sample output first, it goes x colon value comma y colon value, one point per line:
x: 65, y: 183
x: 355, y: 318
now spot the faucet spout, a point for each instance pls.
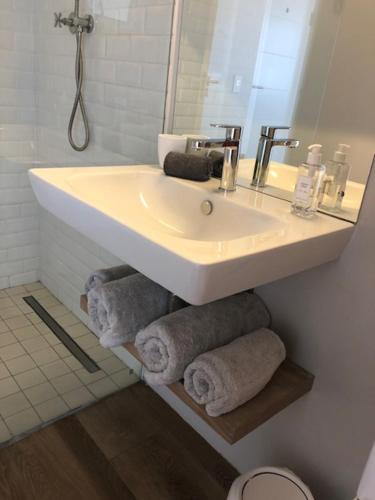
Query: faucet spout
x: 267, y: 142
x: 231, y: 145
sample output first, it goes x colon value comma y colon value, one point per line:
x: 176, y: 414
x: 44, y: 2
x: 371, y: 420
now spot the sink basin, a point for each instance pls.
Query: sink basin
x: 168, y: 205
x: 158, y: 225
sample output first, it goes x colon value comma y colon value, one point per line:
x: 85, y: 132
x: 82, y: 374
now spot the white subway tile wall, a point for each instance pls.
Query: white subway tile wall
x: 126, y: 61
x: 125, y: 79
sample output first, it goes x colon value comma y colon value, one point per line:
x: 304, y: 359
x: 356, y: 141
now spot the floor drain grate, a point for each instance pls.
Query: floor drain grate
x: 62, y: 335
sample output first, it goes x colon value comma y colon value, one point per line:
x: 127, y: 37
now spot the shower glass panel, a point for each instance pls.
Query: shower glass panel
x: 124, y: 87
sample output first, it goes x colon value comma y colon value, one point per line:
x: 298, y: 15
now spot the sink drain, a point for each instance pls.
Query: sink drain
x: 207, y: 207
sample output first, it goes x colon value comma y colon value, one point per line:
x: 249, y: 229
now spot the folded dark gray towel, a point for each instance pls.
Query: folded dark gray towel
x: 119, y: 309
x: 105, y: 275
x: 169, y: 344
x: 217, y: 163
x: 229, y: 376
x: 188, y: 166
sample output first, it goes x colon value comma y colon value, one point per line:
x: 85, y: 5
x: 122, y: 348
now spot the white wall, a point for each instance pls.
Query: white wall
x: 326, y: 316
x: 18, y: 218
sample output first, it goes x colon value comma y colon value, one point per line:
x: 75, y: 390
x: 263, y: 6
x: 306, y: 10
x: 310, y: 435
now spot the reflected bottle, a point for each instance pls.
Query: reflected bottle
x: 335, y: 180
x: 309, y: 184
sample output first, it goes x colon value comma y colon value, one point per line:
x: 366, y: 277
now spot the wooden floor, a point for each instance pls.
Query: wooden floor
x: 129, y: 446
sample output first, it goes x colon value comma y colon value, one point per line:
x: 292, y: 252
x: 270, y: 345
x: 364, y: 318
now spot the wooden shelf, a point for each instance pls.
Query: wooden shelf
x: 289, y: 383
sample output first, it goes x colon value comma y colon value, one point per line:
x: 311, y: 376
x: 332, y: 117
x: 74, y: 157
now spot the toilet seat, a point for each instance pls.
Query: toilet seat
x: 269, y: 483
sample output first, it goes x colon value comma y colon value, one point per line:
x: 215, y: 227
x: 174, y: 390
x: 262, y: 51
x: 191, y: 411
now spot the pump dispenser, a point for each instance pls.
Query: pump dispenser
x: 309, y: 183
x: 335, y: 180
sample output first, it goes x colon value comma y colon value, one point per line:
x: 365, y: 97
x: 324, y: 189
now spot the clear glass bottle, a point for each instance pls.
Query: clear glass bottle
x: 335, y: 180
x: 309, y: 184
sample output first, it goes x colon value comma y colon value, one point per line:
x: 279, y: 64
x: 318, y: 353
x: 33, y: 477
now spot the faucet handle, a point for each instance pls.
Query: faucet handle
x: 270, y: 131
x: 58, y: 20
x: 233, y: 132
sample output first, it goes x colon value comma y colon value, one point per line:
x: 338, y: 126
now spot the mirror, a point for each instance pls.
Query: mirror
x: 305, y: 64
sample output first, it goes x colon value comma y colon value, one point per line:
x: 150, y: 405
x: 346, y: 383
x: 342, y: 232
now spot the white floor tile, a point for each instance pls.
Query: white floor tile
x: 8, y: 386
x: 3, y: 326
x: 66, y: 383
x: 7, y: 339
x: 30, y: 378
x: 10, y: 312
x: 40, y: 393
x: 24, y: 421
x: 102, y: 387
x: 45, y: 356
x: 88, y: 378
x: 55, y: 369
x: 20, y: 365
x: 73, y: 363
x: 111, y: 365
x: 11, y: 351
x: 51, y: 409
x: 78, y: 397
x: 5, y: 303
x: 76, y: 331
x: 16, y: 290
x: 27, y: 332
x: 13, y: 404
x: 34, y: 345
x: 17, y: 322
x: 62, y: 351
x: 87, y: 341
x: 98, y: 353
x: 33, y: 287
x: 4, y: 372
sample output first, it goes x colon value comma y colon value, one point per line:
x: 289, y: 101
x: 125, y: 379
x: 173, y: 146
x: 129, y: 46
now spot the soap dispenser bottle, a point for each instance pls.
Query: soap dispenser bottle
x: 309, y: 184
x: 336, y: 177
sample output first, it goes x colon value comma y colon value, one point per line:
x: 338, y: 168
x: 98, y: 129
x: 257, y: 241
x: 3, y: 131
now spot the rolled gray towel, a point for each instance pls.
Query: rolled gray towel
x: 105, y: 275
x: 168, y: 345
x: 188, y: 166
x: 119, y: 309
x: 229, y: 376
x: 217, y: 163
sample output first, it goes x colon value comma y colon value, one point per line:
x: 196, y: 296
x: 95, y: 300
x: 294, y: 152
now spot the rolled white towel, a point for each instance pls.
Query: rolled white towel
x: 102, y: 276
x: 169, y: 344
x: 229, y: 376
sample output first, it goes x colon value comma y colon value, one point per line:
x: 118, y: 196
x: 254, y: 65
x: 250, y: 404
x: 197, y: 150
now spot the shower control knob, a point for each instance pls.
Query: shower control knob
x: 58, y: 20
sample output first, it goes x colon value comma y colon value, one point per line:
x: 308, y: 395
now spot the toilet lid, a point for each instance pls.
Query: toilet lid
x: 272, y: 486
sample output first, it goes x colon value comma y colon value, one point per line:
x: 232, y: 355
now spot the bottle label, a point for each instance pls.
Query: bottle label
x: 303, y: 188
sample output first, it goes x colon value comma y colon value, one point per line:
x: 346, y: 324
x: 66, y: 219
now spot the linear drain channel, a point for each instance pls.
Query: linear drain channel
x: 62, y: 335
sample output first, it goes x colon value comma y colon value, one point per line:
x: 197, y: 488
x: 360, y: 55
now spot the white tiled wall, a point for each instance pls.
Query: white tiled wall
x: 19, y: 234
x: 125, y: 78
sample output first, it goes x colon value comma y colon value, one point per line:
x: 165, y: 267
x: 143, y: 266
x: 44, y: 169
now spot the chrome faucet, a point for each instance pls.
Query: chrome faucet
x: 231, y: 145
x: 267, y: 142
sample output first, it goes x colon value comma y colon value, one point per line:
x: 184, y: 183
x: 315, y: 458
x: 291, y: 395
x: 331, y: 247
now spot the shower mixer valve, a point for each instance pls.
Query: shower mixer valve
x: 79, y: 26
x: 74, y: 22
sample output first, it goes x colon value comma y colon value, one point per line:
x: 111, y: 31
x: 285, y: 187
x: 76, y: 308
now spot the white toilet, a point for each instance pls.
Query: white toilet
x: 269, y: 483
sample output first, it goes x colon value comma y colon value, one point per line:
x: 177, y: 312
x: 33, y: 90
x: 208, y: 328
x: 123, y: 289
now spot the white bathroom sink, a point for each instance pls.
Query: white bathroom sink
x: 156, y: 224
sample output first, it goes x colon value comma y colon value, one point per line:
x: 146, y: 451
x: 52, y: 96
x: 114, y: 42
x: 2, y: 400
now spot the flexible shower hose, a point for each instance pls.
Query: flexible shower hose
x: 78, y: 101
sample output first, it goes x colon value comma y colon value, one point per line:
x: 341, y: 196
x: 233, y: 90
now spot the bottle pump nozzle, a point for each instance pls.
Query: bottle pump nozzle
x: 341, y: 153
x: 315, y: 154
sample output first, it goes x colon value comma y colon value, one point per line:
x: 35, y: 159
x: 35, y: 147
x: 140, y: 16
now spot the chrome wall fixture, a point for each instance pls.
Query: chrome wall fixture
x: 77, y: 26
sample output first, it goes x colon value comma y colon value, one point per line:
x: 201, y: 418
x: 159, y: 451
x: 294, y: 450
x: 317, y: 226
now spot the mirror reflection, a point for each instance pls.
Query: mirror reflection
x: 292, y: 73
